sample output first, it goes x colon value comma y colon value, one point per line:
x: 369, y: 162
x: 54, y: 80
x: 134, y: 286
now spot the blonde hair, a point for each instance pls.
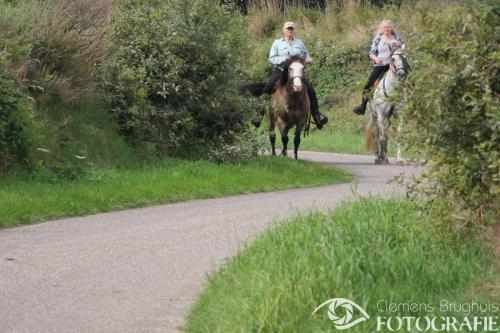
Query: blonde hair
x: 380, y: 29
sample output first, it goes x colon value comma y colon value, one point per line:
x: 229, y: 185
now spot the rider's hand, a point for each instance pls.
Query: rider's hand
x: 398, y: 43
x: 378, y: 60
x: 309, y: 61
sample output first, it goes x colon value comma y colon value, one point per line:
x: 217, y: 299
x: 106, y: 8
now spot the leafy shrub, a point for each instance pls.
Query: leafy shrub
x: 455, y: 112
x: 14, y: 121
x: 173, y: 70
x: 339, y: 68
x: 235, y: 148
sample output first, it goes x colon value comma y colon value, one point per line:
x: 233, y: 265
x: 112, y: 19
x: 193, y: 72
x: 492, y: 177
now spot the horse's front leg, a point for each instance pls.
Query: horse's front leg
x: 284, y: 139
x: 383, y: 125
x: 284, y: 135
x: 296, y: 140
x: 373, y: 137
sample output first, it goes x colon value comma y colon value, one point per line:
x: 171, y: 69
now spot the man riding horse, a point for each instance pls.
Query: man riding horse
x: 281, y: 50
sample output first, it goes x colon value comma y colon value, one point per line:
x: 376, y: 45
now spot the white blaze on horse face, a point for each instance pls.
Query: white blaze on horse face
x: 297, y: 84
x: 296, y: 73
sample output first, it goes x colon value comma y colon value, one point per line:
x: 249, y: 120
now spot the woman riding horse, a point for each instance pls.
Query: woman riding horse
x: 384, y: 106
x: 385, y: 40
x: 281, y: 50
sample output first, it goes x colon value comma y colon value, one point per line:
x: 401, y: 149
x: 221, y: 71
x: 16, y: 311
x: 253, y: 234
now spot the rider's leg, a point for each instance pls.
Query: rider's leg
x: 268, y: 89
x: 377, y: 73
x: 271, y: 84
x: 319, y: 119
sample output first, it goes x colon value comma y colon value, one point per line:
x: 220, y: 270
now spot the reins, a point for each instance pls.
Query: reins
x: 406, y: 67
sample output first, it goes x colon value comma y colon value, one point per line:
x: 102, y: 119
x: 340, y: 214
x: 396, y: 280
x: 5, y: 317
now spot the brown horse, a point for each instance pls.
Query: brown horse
x: 290, y: 102
x: 290, y: 105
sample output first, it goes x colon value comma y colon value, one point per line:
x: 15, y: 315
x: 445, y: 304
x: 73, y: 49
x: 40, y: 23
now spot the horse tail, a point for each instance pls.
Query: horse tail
x: 369, y: 137
x: 254, y: 89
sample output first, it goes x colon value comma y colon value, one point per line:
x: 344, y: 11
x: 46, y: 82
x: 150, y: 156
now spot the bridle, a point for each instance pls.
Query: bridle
x: 405, y: 66
x: 404, y: 62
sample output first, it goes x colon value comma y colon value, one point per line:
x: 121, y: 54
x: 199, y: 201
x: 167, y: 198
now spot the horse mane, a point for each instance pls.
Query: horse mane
x: 284, y: 76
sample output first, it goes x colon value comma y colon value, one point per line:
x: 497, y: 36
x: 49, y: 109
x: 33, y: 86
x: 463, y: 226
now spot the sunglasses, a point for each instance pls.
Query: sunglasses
x: 289, y: 28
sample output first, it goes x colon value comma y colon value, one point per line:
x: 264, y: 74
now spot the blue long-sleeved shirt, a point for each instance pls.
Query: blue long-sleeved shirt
x: 280, y: 50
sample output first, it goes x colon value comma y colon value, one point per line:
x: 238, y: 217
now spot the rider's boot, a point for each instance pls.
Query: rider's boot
x: 319, y: 119
x: 361, y: 108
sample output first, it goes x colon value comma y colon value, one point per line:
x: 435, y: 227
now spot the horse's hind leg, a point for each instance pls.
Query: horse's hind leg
x: 272, y: 135
x: 399, y: 156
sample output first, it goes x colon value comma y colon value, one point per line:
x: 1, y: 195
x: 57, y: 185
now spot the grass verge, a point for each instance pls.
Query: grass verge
x: 32, y: 200
x: 367, y: 251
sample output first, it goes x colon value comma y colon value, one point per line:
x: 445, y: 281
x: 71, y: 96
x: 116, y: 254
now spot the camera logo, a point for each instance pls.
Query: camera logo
x: 340, y: 312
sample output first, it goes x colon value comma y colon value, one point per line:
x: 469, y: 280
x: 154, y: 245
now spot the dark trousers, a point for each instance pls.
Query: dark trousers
x: 376, y: 74
x: 271, y: 86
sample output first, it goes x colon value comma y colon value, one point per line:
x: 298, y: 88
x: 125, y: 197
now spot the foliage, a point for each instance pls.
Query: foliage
x: 455, y: 112
x: 173, y: 72
x: 15, y: 122
x: 338, y: 67
x: 235, y: 148
x: 50, y: 49
x: 58, y: 42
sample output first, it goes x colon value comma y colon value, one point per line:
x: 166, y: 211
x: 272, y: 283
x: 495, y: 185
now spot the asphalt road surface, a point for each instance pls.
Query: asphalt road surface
x: 140, y: 270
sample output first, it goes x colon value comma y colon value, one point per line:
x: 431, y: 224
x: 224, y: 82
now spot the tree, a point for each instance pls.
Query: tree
x: 173, y: 72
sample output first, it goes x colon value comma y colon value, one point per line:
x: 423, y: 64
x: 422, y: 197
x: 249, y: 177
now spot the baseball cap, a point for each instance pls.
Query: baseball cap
x: 288, y: 25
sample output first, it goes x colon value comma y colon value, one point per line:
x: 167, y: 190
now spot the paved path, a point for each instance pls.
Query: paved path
x: 139, y: 270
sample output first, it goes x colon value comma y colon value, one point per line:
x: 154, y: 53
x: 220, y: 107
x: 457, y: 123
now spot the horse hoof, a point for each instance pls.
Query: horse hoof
x: 378, y: 161
x: 385, y: 161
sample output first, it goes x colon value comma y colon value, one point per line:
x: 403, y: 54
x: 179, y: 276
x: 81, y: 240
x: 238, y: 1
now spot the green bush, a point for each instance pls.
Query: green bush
x: 235, y: 148
x: 173, y: 70
x: 15, y: 124
x: 454, y: 110
x: 49, y: 50
x: 339, y: 68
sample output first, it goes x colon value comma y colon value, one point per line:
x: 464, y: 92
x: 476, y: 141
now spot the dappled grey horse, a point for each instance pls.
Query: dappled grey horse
x: 385, y: 104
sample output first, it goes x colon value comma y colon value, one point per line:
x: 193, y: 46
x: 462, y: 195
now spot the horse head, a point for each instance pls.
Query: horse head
x: 399, y: 64
x: 294, y: 72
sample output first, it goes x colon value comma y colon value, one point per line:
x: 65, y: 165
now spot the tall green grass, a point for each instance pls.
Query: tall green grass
x: 37, y: 199
x: 366, y: 251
